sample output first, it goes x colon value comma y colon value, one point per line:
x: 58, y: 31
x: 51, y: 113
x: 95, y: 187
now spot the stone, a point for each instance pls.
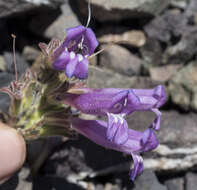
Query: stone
x: 184, y: 50
x: 2, y: 64
x: 66, y: 20
x: 30, y: 53
x: 24, y: 183
x: 191, y: 9
x: 151, y: 52
x: 104, y: 78
x: 179, y: 3
x: 19, y: 181
x: 163, y: 73
x: 175, y: 184
x: 134, y: 38
x: 11, y: 7
x: 147, y: 181
x: 182, y: 87
x: 163, y: 27
x: 117, y: 10
x: 176, y: 130
x: 190, y: 181
x: 120, y: 60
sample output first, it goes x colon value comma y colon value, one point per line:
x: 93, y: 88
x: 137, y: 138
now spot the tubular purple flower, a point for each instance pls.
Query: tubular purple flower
x: 137, y: 142
x: 72, y: 55
x: 116, y: 104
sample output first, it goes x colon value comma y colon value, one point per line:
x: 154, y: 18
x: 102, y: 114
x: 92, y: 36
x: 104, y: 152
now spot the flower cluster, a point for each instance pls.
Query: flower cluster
x: 115, y: 104
x: 74, y: 51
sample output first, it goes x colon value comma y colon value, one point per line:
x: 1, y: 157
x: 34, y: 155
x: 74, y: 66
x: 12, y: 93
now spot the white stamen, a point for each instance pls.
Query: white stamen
x: 80, y: 57
x: 72, y: 55
x: 66, y: 49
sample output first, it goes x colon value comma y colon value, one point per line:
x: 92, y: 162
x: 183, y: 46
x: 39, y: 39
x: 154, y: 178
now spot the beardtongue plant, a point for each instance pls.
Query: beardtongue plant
x: 41, y: 100
x: 116, y: 104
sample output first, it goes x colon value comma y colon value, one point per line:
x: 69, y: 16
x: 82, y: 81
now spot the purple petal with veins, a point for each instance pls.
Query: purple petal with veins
x: 138, y: 166
x: 117, y: 129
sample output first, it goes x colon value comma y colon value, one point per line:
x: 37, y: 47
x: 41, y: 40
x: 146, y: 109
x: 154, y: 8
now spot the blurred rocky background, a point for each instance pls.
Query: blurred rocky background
x: 145, y: 42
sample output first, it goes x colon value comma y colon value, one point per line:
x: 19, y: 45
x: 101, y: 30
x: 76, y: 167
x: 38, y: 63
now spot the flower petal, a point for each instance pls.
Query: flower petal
x: 70, y: 67
x: 60, y: 63
x: 131, y: 103
x: 73, y: 37
x: 81, y: 71
x: 148, y: 140
x: 138, y: 166
x: 117, y: 101
x: 117, y: 130
x: 112, y: 126
x: 122, y: 135
x: 156, y: 123
x: 159, y: 94
x: 90, y: 41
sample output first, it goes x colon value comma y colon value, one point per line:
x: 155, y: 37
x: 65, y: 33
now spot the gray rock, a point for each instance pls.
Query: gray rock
x: 162, y: 27
x: 179, y: 3
x: 116, y: 10
x: 190, y: 181
x: 164, y: 73
x: 148, y: 181
x: 30, y: 53
x: 182, y: 87
x: 175, y: 184
x: 151, y: 52
x: 120, y: 60
x: 2, y: 64
x: 104, y: 78
x: 191, y: 9
x: 184, y: 50
x: 11, y: 7
x: 66, y: 20
x: 18, y: 181
x: 176, y: 130
x: 23, y: 182
x: 134, y: 38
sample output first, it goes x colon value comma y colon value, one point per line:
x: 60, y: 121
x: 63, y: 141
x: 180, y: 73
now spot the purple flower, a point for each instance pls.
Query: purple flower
x: 137, y: 142
x: 116, y: 104
x: 72, y: 55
